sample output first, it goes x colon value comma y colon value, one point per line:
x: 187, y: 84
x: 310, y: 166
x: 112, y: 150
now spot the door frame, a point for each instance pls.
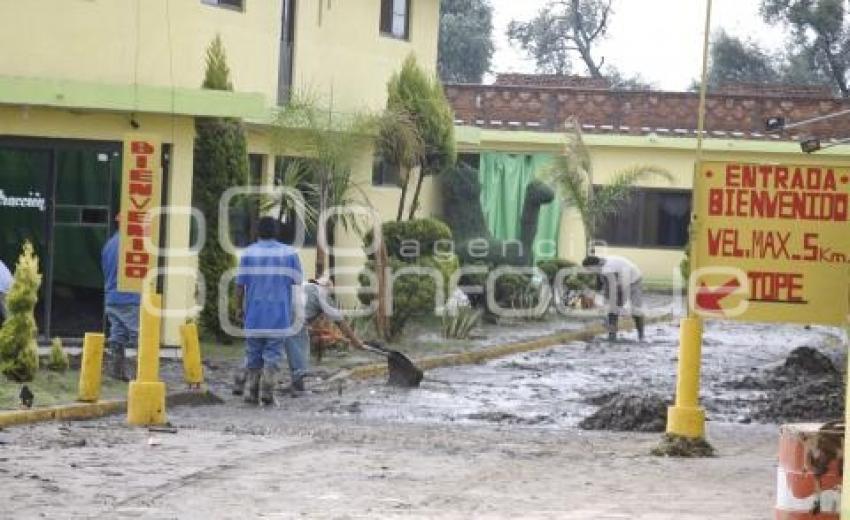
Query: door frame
x: 52, y: 145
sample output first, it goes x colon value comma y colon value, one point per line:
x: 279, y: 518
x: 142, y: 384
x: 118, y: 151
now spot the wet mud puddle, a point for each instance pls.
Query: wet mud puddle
x: 560, y: 386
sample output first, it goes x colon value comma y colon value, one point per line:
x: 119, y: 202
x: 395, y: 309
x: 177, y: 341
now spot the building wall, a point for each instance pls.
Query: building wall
x: 611, y: 153
x: 100, y: 41
x: 179, y: 131
x: 342, y: 59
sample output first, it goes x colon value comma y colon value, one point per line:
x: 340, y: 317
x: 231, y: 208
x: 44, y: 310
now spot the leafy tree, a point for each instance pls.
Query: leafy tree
x: 620, y: 81
x: 560, y: 30
x: 413, y: 92
x: 466, y: 44
x: 572, y: 173
x: 820, y: 37
x: 18, y: 347
x: 735, y: 61
x: 221, y: 162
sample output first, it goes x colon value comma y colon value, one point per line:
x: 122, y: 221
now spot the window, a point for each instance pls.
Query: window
x: 238, y: 5
x: 473, y: 160
x: 395, y: 18
x: 384, y: 174
x: 653, y: 218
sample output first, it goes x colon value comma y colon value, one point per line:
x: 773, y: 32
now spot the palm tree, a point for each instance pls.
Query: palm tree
x: 333, y: 143
x: 572, y: 174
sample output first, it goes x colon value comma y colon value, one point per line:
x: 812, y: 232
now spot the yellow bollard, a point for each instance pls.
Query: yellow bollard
x: 845, y: 489
x: 146, y: 395
x: 90, y: 368
x: 686, y: 418
x: 193, y: 371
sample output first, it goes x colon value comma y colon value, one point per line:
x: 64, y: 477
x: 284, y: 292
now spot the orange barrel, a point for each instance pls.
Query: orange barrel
x: 808, y: 479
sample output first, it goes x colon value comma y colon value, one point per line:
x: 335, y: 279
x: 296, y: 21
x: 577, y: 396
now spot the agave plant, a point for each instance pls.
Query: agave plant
x: 572, y: 174
x: 459, y: 324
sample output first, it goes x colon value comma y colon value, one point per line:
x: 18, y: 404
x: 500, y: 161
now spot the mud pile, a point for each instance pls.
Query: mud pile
x: 630, y: 413
x: 807, y: 387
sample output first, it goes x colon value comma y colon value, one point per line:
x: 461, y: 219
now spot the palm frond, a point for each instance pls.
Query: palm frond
x: 570, y: 181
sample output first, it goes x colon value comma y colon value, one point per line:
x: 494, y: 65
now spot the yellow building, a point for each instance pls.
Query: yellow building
x: 525, y: 114
x: 77, y: 75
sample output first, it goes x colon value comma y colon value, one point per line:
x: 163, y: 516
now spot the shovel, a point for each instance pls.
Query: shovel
x: 401, y: 369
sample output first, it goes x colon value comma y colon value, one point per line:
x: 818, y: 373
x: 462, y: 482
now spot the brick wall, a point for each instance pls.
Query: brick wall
x: 735, y: 115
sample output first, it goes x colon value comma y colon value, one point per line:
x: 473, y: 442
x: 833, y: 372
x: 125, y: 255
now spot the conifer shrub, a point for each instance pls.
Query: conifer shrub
x: 18, y: 347
x: 221, y: 162
x: 57, y: 361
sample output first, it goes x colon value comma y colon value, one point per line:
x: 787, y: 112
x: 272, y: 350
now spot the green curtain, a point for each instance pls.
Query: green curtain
x: 504, y: 179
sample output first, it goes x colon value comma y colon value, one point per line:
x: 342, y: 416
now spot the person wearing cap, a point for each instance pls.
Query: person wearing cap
x: 318, y: 302
x: 267, y: 272
x: 5, y: 285
x: 623, y: 283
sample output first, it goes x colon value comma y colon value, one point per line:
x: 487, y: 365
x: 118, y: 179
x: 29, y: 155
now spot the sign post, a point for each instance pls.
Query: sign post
x: 686, y: 418
x: 769, y: 244
x: 141, y: 189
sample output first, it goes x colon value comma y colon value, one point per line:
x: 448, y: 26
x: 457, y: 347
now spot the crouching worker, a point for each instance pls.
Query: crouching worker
x: 622, y: 283
x: 267, y: 272
x: 122, y: 312
x: 318, y: 302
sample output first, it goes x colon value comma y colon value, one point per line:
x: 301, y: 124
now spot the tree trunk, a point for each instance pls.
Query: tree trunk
x: 381, y: 319
x: 404, y: 185
x: 414, y: 202
x: 321, y: 231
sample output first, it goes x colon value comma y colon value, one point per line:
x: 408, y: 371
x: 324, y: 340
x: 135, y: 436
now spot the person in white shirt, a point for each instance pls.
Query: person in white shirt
x: 622, y: 282
x: 5, y: 285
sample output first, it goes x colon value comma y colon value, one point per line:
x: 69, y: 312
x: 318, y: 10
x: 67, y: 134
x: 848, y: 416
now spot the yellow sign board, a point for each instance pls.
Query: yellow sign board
x: 771, y: 242
x: 141, y: 188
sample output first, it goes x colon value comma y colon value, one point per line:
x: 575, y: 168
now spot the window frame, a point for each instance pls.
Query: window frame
x: 230, y: 7
x: 387, y: 30
x: 381, y: 176
x: 641, y: 216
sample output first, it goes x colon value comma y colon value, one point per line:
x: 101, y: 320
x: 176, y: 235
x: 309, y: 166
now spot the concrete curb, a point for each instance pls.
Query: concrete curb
x: 82, y: 411
x: 486, y: 354
x: 64, y: 412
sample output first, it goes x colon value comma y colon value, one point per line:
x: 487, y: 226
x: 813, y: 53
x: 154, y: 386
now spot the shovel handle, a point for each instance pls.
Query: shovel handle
x: 375, y: 349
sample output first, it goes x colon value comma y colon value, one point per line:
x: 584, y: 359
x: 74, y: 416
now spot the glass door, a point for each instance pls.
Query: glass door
x: 87, y: 189
x: 24, y: 210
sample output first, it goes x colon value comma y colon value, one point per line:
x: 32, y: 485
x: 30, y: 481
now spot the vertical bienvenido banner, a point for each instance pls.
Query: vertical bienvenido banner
x: 141, y: 187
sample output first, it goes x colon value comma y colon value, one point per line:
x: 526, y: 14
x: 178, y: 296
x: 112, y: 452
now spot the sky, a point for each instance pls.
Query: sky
x: 659, y: 39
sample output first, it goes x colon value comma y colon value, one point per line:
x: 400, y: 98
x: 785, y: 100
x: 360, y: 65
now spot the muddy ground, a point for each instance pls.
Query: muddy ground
x: 498, y: 440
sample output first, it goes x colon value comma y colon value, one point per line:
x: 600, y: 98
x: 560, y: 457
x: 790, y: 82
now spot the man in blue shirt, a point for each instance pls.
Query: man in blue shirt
x: 267, y: 272
x: 122, y: 311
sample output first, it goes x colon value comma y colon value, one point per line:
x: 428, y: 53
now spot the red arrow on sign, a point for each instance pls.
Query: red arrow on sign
x: 709, y: 300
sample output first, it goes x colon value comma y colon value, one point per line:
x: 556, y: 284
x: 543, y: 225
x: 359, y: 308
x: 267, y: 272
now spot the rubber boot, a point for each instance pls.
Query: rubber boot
x: 252, y: 385
x: 268, y: 384
x: 612, y: 327
x: 239, y: 381
x: 117, y: 361
x: 639, y: 325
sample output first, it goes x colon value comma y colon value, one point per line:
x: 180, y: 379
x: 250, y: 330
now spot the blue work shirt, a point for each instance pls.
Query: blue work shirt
x: 109, y: 264
x: 268, y: 295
